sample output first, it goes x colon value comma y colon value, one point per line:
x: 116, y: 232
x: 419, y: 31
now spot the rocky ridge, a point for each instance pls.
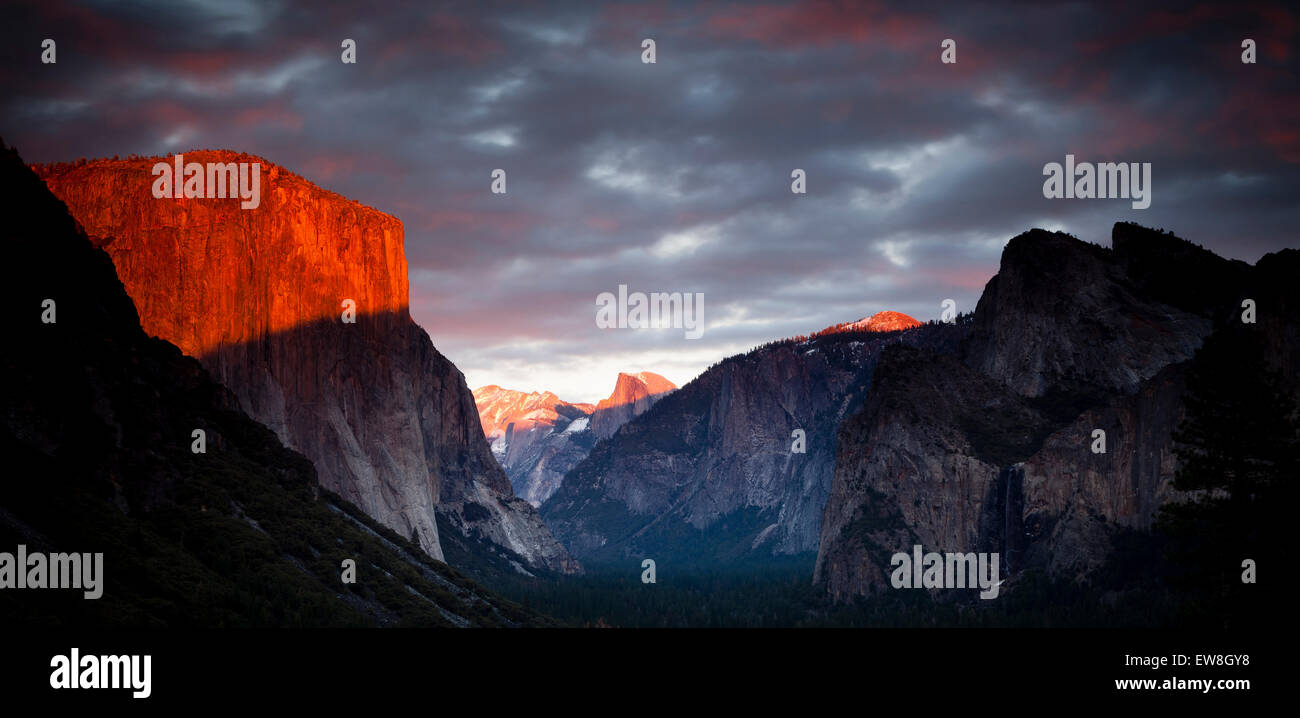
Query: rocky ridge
x: 988, y: 447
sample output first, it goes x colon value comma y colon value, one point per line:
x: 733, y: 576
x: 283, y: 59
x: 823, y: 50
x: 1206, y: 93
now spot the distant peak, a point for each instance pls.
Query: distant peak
x: 643, y: 383
x: 888, y: 321
x: 630, y: 388
x: 633, y: 394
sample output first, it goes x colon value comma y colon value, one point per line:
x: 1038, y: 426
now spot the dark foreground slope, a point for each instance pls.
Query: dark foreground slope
x: 96, y: 447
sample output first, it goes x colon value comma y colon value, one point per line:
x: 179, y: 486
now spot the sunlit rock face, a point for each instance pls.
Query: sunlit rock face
x: 888, y: 321
x: 633, y: 394
x: 258, y: 295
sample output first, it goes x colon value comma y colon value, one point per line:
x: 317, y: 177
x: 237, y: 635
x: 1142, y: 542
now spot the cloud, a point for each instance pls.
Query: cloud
x: 676, y: 176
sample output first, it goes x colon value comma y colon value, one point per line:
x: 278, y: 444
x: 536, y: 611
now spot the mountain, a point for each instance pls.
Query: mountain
x: 499, y: 408
x: 987, y: 445
x: 885, y: 321
x: 260, y: 297
x: 538, y: 438
x: 710, y: 474
x: 633, y: 394
x: 97, y: 443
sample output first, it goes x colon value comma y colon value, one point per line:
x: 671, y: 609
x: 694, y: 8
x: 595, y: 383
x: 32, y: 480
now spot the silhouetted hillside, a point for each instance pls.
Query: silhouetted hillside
x: 96, y: 443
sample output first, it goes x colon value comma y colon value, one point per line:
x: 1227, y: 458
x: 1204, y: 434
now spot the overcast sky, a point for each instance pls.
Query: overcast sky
x: 675, y: 176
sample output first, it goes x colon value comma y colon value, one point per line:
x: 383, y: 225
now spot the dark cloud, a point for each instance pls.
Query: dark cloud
x: 675, y: 176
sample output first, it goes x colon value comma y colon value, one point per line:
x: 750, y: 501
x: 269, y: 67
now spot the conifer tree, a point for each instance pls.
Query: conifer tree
x: 1238, y: 453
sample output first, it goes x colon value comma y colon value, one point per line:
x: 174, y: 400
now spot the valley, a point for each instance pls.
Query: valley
x: 790, y: 473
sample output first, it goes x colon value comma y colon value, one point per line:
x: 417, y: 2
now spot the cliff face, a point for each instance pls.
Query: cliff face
x: 96, y: 443
x: 918, y: 464
x: 633, y: 394
x: 538, y: 438
x: 711, y: 472
x: 258, y: 296
x: 1065, y: 315
x: 989, y: 448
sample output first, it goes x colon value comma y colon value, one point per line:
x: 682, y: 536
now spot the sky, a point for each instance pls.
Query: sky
x: 676, y: 176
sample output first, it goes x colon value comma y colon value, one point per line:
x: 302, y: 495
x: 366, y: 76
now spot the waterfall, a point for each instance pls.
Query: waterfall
x: 1011, y: 488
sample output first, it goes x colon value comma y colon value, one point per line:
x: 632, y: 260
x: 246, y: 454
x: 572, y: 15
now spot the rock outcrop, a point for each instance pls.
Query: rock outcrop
x: 260, y: 296
x: 1066, y: 315
x: 989, y: 447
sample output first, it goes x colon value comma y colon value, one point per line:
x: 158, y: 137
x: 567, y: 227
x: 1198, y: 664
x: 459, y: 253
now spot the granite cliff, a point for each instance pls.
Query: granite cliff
x: 99, y: 454
x: 259, y: 296
x: 989, y: 446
